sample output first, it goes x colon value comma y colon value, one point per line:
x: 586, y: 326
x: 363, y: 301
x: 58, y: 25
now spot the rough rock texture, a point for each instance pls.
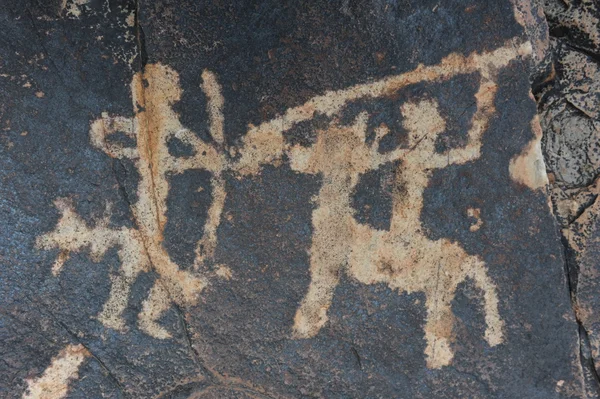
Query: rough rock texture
x: 271, y: 199
x: 570, y: 113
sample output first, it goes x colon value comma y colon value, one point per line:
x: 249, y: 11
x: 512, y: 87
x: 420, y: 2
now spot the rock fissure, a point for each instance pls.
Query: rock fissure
x: 75, y: 337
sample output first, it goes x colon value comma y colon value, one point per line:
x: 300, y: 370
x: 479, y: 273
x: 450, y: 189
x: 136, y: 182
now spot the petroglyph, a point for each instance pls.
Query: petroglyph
x: 54, y: 382
x: 72, y: 234
x: 403, y: 257
x: 154, y: 123
x: 475, y: 213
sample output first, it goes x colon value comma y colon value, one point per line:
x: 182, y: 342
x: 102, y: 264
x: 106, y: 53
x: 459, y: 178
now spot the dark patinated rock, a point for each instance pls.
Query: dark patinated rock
x: 274, y: 199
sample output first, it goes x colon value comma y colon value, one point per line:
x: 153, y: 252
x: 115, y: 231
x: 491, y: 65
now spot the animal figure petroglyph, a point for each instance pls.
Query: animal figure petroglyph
x: 403, y: 257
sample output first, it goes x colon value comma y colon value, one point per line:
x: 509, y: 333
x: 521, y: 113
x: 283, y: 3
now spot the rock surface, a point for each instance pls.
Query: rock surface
x: 569, y: 105
x: 268, y: 199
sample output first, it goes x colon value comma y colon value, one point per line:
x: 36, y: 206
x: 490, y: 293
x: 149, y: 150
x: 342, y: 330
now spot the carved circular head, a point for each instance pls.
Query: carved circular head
x: 422, y: 119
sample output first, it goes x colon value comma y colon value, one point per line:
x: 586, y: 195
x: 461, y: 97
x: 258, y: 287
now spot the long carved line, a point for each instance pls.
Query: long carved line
x: 264, y: 143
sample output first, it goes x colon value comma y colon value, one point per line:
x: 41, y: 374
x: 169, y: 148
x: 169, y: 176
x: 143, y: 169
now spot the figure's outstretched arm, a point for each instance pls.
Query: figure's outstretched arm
x: 423, y: 141
x: 215, y: 101
x: 207, y: 155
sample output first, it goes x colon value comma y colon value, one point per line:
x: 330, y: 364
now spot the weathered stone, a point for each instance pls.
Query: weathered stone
x: 571, y: 120
x: 576, y: 22
x: 267, y: 199
x: 530, y: 14
x: 569, y: 106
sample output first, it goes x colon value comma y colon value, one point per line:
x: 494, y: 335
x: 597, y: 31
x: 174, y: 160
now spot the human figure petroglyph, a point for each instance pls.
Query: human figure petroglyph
x: 154, y: 91
x: 72, y: 234
x: 340, y: 156
x: 402, y: 257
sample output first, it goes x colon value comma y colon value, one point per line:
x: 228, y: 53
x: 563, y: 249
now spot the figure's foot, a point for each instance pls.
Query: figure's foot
x: 438, y: 352
x: 112, y: 320
x: 153, y: 329
x: 309, y: 321
x: 186, y: 287
x: 493, y: 332
x: 153, y: 308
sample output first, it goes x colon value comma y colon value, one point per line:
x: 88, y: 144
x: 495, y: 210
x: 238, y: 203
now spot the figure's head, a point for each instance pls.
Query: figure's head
x: 72, y: 234
x: 156, y: 86
x: 423, y: 122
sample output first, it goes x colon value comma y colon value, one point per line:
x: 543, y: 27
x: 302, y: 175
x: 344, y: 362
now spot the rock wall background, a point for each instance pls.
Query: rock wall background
x: 66, y: 63
x: 569, y: 106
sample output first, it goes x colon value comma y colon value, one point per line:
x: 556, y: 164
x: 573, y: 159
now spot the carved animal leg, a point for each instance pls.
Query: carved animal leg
x: 494, y: 324
x: 154, y: 306
x: 133, y: 261
x: 328, y: 254
x: 205, y: 248
x: 312, y: 313
x: 440, y: 320
x: 112, y: 312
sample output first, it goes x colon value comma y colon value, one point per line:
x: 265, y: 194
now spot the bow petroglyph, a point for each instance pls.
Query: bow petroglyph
x: 153, y: 92
x: 402, y: 257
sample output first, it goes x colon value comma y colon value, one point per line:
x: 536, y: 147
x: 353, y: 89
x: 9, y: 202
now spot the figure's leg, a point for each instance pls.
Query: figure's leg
x: 112, y: 312
x: 206, y: 245
x: 494, y: 324
x: 153, y: 307
x: 328, y: 255
x: 438, y: 327
x: 133, y: 261
x: 312, y: 314
x: 183, y: 288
